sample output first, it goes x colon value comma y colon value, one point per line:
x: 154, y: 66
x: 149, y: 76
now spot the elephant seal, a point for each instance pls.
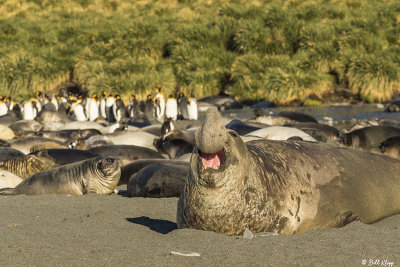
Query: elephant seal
x: 297, y: 116
x: 391, y: 147
x: 125, y: 154
x: 6, y: 133
x: 319, y: 131
x: 24, y: 144
x: 8, y: 179
x: 96, y: 175
x: 65, y: 156
x: 25, y: 126
x: 241, y: 128
x: 136, y: 138
x: 47, y: 145
x: 158, y: 180
x: 281, y: 133
x: 394, y: 106
x: 175, y: 143
x: 70, y: 135
x: 9, y: 153
x: 46, y: 116
x: 282, y: 186
x: 28, y: 165
x: 368, y: 138
x: 128, y: 170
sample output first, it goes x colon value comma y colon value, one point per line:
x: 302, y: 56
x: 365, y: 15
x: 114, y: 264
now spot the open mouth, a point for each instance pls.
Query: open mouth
x: 212, y: 160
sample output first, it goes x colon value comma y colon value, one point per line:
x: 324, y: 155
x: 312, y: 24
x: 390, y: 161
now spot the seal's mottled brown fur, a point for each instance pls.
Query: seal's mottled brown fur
x: 287, y: 187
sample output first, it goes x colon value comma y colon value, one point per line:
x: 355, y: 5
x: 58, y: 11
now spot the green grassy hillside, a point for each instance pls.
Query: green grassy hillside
x: 273, y: 49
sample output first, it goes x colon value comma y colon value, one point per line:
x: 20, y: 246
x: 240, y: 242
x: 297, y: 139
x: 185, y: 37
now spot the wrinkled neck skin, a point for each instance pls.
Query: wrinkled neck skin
x: 99, y: 181
x: 222, y: 200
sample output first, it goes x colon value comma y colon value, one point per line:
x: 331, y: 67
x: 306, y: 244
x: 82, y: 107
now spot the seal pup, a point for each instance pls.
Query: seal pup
x: 158, y: 180
x: 25, y: 126
x: 391, y: 147
x: 368, y: 138
x: 24, y: 144
x: 9, y: 153
x: 297, y: 116
x: 65, y: 156
x: 46, y: 116
x: 30, y: 164
x: 394, y: 106
x: 281, y: 133
x: 96, y: 175
x: 282, y: 186
x: 240, y: 127
x: 175, y: 143
x: 8, y: 179
x: 126, y: 153
x: 128, y: 170
x: 6, y: 133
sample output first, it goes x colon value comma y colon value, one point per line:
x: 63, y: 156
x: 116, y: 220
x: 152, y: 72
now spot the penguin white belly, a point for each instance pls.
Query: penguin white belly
x: 102, y: 108
x: 28, y: 112
x: 171, y: 109
x: 79, y: 114
x: 93, y: 110
x: 192, y: 110
x: 3, y: 109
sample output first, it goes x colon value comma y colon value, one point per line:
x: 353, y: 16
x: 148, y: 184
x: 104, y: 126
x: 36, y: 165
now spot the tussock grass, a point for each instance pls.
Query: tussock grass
x: 273, y: 50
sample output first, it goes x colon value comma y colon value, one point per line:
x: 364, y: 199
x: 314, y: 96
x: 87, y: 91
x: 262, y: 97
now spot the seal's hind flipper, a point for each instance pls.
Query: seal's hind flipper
x: 7, y: 192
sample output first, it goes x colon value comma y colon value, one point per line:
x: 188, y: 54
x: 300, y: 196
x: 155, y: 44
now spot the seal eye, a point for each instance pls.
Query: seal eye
x: 110, y: 160
x: 233, y: 133
x: 100, y: 165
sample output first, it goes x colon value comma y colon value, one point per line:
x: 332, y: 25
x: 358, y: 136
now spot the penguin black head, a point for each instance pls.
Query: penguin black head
x: 158, y: 89
x: 181, y: 95
x: 104, y: 93
x: 148, y: 96
x: 133, y: 97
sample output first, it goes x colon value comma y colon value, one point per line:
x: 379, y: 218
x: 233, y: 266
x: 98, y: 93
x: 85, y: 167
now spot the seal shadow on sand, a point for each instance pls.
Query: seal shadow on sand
x: 160, y: 226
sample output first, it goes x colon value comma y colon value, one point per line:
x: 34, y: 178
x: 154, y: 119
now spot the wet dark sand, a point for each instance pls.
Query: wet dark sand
x: 115, y: 230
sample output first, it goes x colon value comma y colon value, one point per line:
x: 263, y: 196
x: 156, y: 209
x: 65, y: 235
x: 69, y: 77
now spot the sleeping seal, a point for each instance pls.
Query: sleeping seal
x: 369, y: 137
x: 8, y: 179
x: 28, y: 165
x: 391, y: 147
x: 96, y: 175
x: 158, y: 180
x: 282, y: 186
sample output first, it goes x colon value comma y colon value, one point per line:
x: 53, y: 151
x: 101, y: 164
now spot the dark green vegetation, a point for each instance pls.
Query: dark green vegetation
x: 273, y: 49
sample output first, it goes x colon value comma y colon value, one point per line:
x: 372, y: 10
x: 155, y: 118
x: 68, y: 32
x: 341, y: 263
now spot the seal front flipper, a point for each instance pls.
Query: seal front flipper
x: 7, y: 192
x: 346, y: 218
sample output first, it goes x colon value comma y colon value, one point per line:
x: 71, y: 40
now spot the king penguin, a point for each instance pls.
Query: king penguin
x: 171, y: 108
x: 192, y: 108
x: 119, y: 110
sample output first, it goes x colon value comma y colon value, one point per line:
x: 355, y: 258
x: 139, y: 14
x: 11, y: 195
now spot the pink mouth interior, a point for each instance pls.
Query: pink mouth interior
x: 212, y: 160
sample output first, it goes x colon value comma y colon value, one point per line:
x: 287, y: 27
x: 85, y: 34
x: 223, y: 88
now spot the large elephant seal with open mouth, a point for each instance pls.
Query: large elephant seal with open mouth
x: 96, y: 175
x: 282, y: 186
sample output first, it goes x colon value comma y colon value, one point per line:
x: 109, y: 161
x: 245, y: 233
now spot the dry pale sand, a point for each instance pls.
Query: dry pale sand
x: 115, y: 230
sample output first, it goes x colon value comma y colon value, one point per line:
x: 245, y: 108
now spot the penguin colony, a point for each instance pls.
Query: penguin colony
x: 107, y: 106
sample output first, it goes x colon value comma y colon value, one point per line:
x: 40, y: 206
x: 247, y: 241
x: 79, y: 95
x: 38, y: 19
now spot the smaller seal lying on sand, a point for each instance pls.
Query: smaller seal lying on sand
x: 8, y: 179
x: 96, y: 175
x: 158, y: 180
x: 369, y: 137
x: 28, y: 165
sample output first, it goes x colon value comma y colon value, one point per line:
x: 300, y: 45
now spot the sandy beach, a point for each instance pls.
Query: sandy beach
x: 98, y: 230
